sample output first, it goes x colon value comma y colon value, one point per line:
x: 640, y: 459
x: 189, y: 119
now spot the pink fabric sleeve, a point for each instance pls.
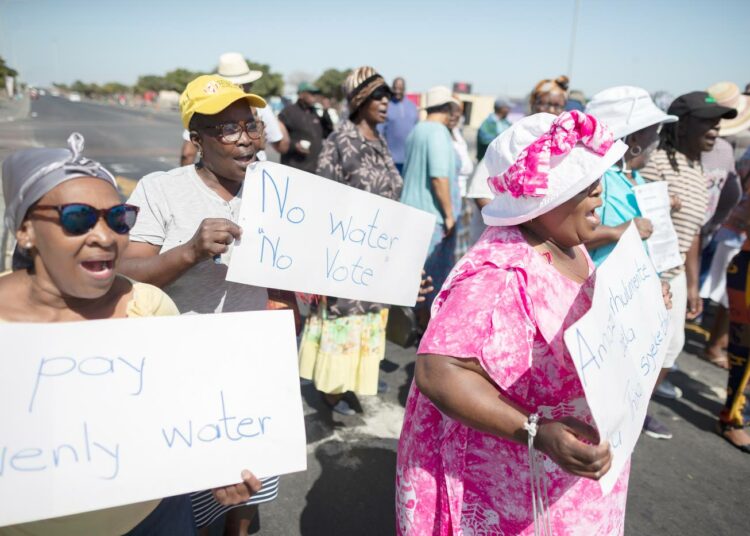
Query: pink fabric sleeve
x: 485, y: 316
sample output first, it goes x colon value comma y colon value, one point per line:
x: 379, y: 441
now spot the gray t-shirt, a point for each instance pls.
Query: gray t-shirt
x: 173, y: 204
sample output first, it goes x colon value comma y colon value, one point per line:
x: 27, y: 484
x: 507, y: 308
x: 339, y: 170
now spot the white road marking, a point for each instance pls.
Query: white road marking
x: 123, y: 168
x: 382, y: 420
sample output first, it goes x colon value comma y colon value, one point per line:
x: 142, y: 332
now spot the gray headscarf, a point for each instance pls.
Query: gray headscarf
x: 29, y: 174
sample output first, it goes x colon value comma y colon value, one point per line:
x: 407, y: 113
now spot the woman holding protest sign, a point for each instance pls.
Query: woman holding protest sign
x: 71, y: 229
x: 495, y: 388
x: 343, y: 341
x: 188, y: 220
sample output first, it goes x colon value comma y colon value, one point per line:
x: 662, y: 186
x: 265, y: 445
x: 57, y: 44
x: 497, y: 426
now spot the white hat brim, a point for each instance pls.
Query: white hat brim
x: 644, y: 122
x: 250, y: 76
x: 505, y: 210
x: 452, y: 100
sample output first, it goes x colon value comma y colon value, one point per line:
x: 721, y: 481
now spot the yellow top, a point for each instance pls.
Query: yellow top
x: 147, y: 300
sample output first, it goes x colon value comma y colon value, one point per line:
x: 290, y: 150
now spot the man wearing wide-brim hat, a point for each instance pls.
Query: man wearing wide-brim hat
x: 431, y: 184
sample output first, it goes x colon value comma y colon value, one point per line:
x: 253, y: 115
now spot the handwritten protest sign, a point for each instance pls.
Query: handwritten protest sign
x: 654, y: 204
x: 618, y: 347
x: 307, y: 233
x: 111, y: 412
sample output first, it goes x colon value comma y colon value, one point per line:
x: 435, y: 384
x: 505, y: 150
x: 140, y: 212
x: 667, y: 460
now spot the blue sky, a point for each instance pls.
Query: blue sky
x: 501, y: 46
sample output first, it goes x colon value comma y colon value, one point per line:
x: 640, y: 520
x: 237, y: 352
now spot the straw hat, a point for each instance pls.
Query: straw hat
x: 439, y: 95
x: 729, y: 94
x: 233, y: 67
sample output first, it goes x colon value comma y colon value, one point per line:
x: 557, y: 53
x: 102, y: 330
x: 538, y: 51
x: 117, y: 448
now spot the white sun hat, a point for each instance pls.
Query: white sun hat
x: 233, y: 67
x: 626, y: 109
x: 544, y: 160
x: 437, y: 96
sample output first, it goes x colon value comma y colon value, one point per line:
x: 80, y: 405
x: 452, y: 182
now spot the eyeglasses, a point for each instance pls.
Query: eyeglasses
x: 549, y: 106
x: 229, y: 133
x: 381, y: 93
x: 80, y: 218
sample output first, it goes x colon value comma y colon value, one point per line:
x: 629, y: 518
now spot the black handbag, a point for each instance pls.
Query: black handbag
x: 402, y: 328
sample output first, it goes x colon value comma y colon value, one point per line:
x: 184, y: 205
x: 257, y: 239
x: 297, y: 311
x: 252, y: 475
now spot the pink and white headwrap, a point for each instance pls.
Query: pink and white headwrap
x: 528, y: 175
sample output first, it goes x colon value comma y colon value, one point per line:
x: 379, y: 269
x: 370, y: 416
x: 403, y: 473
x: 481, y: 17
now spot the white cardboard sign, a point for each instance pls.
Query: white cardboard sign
x: 663, y: 244
x: 307, y: 233
x: 619, y: 345
x: 112, y: 412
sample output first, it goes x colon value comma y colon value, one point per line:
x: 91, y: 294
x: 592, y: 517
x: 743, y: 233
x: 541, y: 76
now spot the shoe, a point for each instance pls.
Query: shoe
x: 341, y: 407
x: 382, y: 387
x: 654, y: 428
x: 723, y: 428
x: 668, y: 390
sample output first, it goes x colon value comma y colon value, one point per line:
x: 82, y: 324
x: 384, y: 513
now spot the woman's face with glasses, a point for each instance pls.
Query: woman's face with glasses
x: 230, y: 140
x: 551, y: 103
x: 375, y: 109
x: 79, y: 260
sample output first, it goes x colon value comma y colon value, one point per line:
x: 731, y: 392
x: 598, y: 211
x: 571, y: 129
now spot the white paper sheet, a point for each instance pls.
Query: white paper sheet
x: 619, y: 345
x: 654, y: 204
x: 306, y: 233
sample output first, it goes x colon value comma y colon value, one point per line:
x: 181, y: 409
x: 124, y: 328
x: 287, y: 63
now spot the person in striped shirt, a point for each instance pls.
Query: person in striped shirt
x: 678, y: 161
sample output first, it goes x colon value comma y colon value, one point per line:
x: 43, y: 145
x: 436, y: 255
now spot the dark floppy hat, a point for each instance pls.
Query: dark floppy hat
x: 700, y: 104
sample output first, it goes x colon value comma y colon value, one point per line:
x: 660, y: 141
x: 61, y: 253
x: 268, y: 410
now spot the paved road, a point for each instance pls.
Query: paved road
x: 692, y: 485
x: 129, y: 142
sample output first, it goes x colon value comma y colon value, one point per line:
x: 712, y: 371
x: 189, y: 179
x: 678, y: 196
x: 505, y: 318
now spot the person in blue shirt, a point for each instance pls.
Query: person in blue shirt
x: 400, y: 120
x: 493, y: 126
x: 634, y: 118
x: 431, y: 184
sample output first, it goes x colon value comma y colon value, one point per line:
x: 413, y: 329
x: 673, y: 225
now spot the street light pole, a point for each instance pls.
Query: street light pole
x: 572, y: 51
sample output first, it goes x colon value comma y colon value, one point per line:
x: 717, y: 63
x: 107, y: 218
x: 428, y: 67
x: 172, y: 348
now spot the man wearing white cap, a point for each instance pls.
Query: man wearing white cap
x: 233, y: 67
x: 431, y: 183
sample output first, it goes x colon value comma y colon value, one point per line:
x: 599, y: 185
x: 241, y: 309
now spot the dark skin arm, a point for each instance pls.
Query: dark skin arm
x: 482, y: 202
x: 463, y: 391
x: 188, y: 153
x: 441, y: 187
x: 143, y: 262
x: 282, y: 146
x: 692, y: 271
x: 604, y: 235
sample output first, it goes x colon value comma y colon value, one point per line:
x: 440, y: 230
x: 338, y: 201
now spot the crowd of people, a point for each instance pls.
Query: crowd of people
x: 492, y: 374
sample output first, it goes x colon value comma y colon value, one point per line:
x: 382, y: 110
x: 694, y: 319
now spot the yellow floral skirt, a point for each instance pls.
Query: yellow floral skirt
x: 343, y: 354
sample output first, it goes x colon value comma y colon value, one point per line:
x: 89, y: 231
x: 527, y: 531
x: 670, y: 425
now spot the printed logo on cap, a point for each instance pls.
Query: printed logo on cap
x: 211, y: 88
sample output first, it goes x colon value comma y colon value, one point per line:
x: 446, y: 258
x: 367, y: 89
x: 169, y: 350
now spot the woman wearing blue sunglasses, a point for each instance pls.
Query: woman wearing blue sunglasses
x: 72, y: 228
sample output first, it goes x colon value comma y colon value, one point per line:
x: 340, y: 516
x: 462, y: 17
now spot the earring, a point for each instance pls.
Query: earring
x: 635, y: 152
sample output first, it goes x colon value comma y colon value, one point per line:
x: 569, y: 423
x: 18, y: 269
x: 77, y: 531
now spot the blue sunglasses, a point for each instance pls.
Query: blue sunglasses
x: 80, y: 218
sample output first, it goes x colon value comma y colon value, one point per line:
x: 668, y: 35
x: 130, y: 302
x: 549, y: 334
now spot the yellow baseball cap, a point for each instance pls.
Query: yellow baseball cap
x: 209, y: 94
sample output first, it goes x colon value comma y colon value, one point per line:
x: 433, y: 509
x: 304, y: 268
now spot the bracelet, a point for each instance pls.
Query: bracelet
x: 538, y: 480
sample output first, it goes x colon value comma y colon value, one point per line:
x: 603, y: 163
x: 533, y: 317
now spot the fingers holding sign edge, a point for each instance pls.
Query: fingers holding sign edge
x: 238, y: 493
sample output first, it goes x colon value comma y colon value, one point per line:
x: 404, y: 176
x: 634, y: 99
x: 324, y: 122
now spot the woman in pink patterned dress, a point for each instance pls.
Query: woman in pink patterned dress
x: 493, y: 360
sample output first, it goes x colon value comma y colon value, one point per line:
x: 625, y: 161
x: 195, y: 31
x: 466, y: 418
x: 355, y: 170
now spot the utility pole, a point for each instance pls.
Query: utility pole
x: 573, y: 35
